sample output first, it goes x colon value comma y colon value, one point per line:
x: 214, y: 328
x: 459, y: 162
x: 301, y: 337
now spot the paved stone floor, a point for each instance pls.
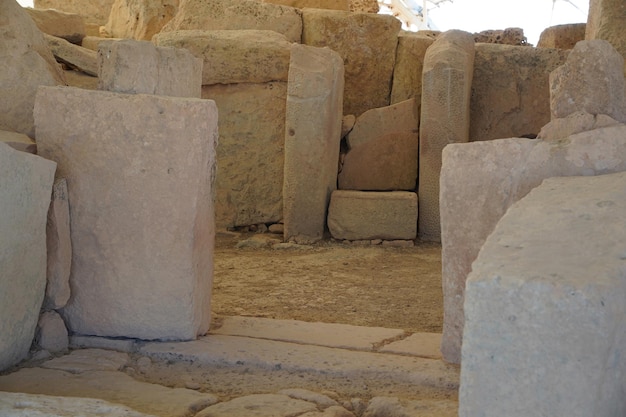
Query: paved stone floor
x: 247, y: 367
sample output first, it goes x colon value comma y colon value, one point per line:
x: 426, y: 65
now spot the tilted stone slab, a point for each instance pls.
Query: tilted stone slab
x: 139, y: 170
x: 237, y: 15
x: 234, y: 56
x: 360, y: 215
x: 383, y: 150
x: 96, y: 12
x: 407, y: 73
x: 73, y: 56
x: 367, y: 43
x: 133, y: 67
x: 606, y: 21
x: 25, y: 189
x: 69, y: 26
x: 312, y: 137
x: 138, y: 19
x: 250, y: 155
x: 481, y: 180
x: 544, y: 330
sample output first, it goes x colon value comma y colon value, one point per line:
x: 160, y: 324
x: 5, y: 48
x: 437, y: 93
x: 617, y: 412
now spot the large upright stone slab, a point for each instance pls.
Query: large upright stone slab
x: 367, y: 43
x: 95, y: 12
x: 444, y: 119
x: 139, y: 19
x: 25, y: 63
x: 251, y: 152
x: 606, y: 21
x: 312, y: 136
x: 237, y: 15
x: 481, y: 180
x: 234, y: 56
x: 133, y: 67
x: 383, y: 150
x: 545, y: 331
x: 25, y: 188
x: 407, y: 73
x: 139, y: 170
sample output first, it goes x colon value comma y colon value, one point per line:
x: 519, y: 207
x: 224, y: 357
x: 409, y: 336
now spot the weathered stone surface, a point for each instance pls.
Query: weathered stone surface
x: 312, y: 137
x: 93, y: 42
x: 18, y: 141
x: 544, y: 325
x: 510, y: 90
x: 577, y: 122
x: 383, y: 150
x: 394, y: 407
x: 237, y: 15
x: 407, y: 73
x: 51, y: 333
x: 322, y: 401
x: 94, y: 11
x: 357, y: 215
x: 140, y: 20
x: 25, y: 187
x: 332, y: 411
x: 120, y: 345
x: 508, y: 36
x: 250, y: 155
x: 364, y: 6
x: 367, y: 43
x: 140, y: 186
x: 591, y: 80
x: 444, y: 119
x: 606, y: 21
x: 234, y: 56
x: 562, y: 36
x: 259, y: 405
x: 74, y: 56
x: 314, y: 4
x: 68, y: 26
x: 17, y: 404
x: 134, y: 67
x: 86, y: 360
x: 59, y: 248
x: 425, y: 345
x: 25, y: 63
x: 480, y: 180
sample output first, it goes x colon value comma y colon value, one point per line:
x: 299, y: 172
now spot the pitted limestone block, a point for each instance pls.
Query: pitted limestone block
x: 69, y: 26
x: 444, y: 119
x: 95, y: 12
x: 407, y: 73
x: 312, y: 140
x: 508, y: 36
x: 237, y: 15
x: 134, y: 67
x: 234, y: 56
x: 591, y: 80
x: 138, y: 19
x: 383, y: 150
x: 140, y: 170
x: 314, y: 4
x: 480, y: 181
x: 562, y: 36
x: 360, y: 215
x: 367, y: 43
x: 544, y: 330
x: 606, y: 21
x: 25, y: 188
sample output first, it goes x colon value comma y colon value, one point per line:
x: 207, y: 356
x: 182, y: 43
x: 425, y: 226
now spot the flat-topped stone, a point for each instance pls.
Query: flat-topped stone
x: 84, y: 360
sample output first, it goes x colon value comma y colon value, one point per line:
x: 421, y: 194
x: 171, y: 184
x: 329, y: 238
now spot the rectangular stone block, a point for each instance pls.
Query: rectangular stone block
x: 140, y: 173
x: 312, y: 139
x: 134, y: 67
x: 407, y: 73
x: 545, y: 331
x: 25, y: 189
x: 363, y: 215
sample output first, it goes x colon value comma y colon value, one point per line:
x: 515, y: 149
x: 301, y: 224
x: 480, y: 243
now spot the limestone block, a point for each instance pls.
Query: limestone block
x: 25, y: 187
x: 139, y: 170
x: 591, y: 80
x: 481, y: 180
x: 407, y: 73
x: 25, y: 63
x: 68, y: 26
x: 559, y: 129
x: 93, y: 42
x: 312, y: 137
x: 314, y: 4
x: 562, y: 36
x: 94, y: 11
x: 359, y: 215
x: 510, y: 90
x: 364, y: 6
x: 367, y: 43
x: 606, y: 21
x: 133, y: 67
x: 51, y: 334
x: 544, y: 330
x: 444, y: 119
x: 18, y: 141
x: 508, y: 36
x: 137, y: 19
x: 59, y: 247
x: 234, y: 56
x: 74, y: 56
x: 237, y: 15
x: 250, y: 155
x: 262, y: 404
x: 383, y: 150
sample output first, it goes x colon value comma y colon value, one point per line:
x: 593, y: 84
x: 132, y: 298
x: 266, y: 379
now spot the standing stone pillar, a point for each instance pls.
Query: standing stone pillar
x: 606, y: 20
x: 312, y: 136
x: 445, y: 118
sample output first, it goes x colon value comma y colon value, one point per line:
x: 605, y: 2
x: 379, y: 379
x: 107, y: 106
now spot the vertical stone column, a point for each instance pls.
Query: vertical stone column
x: 606, y: 21
x: 312, y: 136
x: 445, y: 118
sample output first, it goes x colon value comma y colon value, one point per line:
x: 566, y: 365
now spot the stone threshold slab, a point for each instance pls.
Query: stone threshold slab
x: 425, y: 345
